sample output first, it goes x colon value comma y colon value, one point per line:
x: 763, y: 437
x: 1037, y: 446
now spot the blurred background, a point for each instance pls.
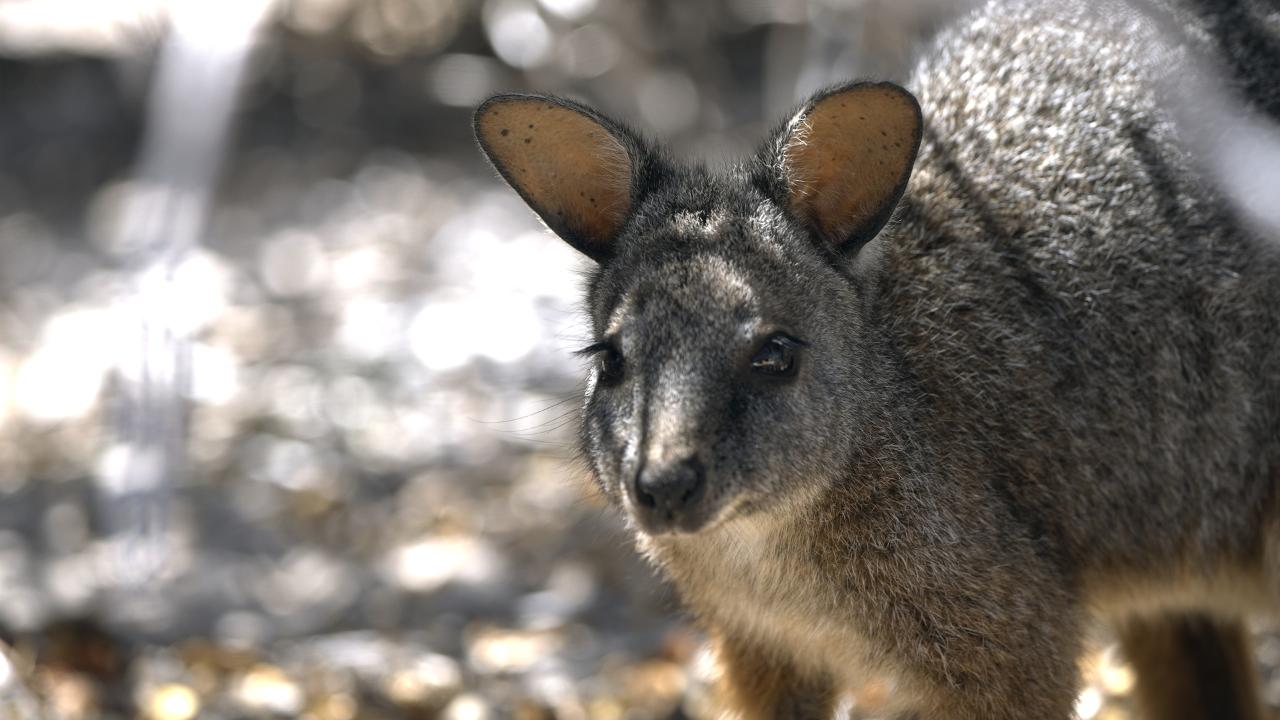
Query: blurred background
x: 287, y: 399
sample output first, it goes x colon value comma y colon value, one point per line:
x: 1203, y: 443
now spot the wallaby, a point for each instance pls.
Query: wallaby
x: 934, y: 380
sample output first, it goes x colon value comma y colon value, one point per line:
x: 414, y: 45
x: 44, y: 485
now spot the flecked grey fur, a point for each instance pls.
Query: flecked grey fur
x: 1049, y: 390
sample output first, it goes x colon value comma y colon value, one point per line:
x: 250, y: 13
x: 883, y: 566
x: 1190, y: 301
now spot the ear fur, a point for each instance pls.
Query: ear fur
x: 575, y: 168
x: 842, y: 162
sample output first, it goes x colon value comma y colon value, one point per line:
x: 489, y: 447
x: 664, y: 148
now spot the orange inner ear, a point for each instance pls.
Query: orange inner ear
x: 573, y: 172
x: 850, y: 157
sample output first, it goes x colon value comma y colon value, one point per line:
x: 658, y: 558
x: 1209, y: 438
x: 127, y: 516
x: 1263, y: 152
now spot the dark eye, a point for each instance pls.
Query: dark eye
x: 776, y: 357
x: 609, y: 366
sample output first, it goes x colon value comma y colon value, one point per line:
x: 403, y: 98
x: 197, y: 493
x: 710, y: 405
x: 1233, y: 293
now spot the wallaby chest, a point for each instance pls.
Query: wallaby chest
x: 753, y: 579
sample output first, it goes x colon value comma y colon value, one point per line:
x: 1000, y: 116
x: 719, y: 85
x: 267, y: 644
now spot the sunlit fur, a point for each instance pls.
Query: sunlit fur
x: 1048, y: 391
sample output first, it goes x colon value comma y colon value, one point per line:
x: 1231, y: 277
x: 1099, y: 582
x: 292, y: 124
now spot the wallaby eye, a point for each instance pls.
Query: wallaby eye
x: 776, y: 357
x: 609, y: 365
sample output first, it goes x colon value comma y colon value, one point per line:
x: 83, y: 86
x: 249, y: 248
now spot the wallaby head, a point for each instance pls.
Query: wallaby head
x: 729, y: 372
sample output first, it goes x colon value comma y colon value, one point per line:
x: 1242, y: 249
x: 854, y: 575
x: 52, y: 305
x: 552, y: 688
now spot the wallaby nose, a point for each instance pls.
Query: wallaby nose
x: 668, y: 495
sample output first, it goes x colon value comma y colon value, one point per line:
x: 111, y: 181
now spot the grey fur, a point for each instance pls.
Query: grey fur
x: 1049, y: 390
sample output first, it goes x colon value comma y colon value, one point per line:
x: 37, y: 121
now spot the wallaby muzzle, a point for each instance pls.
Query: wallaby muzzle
x: 669, y: 497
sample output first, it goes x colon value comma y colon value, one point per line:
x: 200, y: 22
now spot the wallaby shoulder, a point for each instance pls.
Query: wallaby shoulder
x: 1078, y: 303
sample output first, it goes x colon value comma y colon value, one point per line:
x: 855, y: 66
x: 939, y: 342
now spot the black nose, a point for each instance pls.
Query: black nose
x: 669, y: 495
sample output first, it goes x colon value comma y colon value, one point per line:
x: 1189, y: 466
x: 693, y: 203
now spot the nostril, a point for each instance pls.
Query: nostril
x: 643, y: 498
x: 690, y: 483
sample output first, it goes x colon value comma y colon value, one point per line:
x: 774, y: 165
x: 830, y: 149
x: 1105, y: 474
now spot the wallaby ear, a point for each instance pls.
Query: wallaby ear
x: 845, y: 158
x: 575, y: 168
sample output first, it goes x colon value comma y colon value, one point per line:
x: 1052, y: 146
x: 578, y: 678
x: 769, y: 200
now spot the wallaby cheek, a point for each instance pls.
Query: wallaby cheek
x: 816, y: 423
x: 756, y: 453
x: 607, y: 441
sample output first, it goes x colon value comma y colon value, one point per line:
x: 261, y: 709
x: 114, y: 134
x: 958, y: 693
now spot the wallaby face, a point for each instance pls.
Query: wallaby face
x: 723, y: 314
x: 705, y: 358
